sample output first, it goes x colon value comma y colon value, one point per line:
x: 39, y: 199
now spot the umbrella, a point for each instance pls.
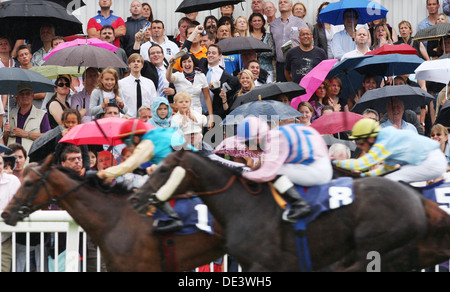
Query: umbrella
x: 232, y: 147
x: 269, y: 91
x: 86, y: 56
x: 65, y: 3
x: 313, y: 80
x: 45, y: 144
x: 368, y: 11
x: 336, y: 122
x: 389, y: 65
x: 269, y: 110
x: 403, y: 49
x: 53, y: 71
x: 436, y: 71
x: 377, y: 99
x: 443, y: 117
x: 10, y: 78
x: 22, y: 19
x: 82, y: 42
x: 351, y: 79
x: 3, y: 148
x: 238, y: 45
x: 99, y: 132
x: 190, y: 6
x: 435, y: 32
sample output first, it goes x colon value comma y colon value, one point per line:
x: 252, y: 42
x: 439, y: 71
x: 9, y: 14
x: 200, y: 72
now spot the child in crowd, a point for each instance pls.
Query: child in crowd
x: 107, y: 92
x: 190, y: 122
x: 162, y: 114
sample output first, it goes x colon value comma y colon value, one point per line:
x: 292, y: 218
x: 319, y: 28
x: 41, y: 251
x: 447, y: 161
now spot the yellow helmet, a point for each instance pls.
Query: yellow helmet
x: 364, y: 129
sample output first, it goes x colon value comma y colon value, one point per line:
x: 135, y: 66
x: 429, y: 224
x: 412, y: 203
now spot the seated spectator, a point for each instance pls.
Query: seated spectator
x: 395, y: 110
x: 71, y: 157
x: 317, y: 101
x: 306, y: 109
x: 334, y: 90
x: 144, y: 113
x: 59, y: 102
x: 439, y: 133
x: 382, y: 37
x: 371, y: 114
x: 340, y: 151
x: 370, y: 82
x: 82, y: 100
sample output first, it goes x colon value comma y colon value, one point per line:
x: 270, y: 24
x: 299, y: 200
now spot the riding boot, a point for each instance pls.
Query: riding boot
x: 299, y: 207
x: 174, y: 224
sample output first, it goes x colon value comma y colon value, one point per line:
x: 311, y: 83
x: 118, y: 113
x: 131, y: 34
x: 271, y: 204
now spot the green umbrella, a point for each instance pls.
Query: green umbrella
x: 53, y: 71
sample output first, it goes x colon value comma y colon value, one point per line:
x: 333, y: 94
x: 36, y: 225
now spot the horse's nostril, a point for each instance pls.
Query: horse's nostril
x: 5, y: 215
x: 133, y: 200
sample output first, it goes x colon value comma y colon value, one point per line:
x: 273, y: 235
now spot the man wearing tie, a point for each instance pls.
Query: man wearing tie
x: 137, y: 90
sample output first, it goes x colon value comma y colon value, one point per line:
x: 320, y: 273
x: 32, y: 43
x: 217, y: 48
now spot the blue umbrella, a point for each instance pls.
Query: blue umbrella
x: 269, y: 110
x: 389, y: 65
x: 368, y: 11
x: 10, y: 78
x: 3, y: 148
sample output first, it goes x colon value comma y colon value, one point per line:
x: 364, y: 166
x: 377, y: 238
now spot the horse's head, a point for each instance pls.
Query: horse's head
x: 174, y: 166
x: 32, y: 194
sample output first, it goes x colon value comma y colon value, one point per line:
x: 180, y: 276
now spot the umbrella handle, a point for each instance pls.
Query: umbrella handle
x: 101, y: 130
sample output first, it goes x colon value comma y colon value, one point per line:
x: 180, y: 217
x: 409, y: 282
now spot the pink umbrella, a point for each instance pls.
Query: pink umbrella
x: 82, y: 42
x: 313, y: 80
x: 336, y: 122
x: 100, y: 132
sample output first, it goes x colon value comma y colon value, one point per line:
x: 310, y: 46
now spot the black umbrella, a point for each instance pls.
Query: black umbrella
x: 443, y: 117
x: 270, y: 91
x: 376, y: 99
x: 45, y: 144
x: 238, y: 45
x: 22, y: 19
x: 190, y: 6
x: 10, y: 78
x: 435, y: 32
x: 3, y: 148
x: 75, y: 4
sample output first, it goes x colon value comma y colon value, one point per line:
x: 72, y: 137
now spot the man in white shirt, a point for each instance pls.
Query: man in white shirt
x: 137, y: 90
x: 158, y: 37
x: 344, y: 41
x: 362, y: 44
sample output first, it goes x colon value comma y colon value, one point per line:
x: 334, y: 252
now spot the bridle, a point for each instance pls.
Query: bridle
x: 26, y: 206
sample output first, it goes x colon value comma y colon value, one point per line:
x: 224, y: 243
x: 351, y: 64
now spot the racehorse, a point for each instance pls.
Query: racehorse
x: 126, y: 239
x: 385, y: 217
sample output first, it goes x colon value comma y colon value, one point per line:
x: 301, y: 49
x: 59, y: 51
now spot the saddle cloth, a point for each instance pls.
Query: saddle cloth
x: 194, y: 214
x: 438, y: 193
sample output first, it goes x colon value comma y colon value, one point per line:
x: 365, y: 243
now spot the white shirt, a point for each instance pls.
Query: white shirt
x: 128, y: 86
x: 216, y: 73
x: 195, y: 89
x: 353, y: 54
x: 9, y: 184
x: 170, y: 49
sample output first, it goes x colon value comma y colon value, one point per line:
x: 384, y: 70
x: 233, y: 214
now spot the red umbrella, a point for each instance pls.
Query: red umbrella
x: 403, y: 49
x: 100, y: 132
x: 336, y: 122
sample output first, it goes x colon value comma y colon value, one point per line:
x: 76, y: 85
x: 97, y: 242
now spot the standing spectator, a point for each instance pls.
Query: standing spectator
x: 302, y: 59
x: 270, y: 12
x: 145, y: 113
x: 306, y: 109
x: 395, y: 110
x: 108, y: 34
x: 183, y: 24
x: 193, y: 35
x: 299, y: 10
x: 317, y: 101
x: 382, y: 36
x: 47, y: 33
x: 59, y: 103
x: 241, y: 27
x: 72, y: 158
x: 137, y: 90
x: 106, y: 17
x: 261, y: 75
x: 258, y: 6
x: 323, y: 33
x: 257, y: 27
x: 9, y: 184
x: 134, y: 24
x: 439, y: 133
x: 147, y: 12
x: 334, y: 90
x: 21, y: 155
x: 158, y: 36
x: 285, y: 28
x: 227, y: 11
x: 433, y: 12
x: 210, y: 24
x: 247, y: 81
x: 82, y: 100
x: 6, y: 60
x: 27, y: 123
x: 207, y: 39
x: 362, y: 44
x: 406, y: 31
x: 343, y: 41
x: 162, y: 114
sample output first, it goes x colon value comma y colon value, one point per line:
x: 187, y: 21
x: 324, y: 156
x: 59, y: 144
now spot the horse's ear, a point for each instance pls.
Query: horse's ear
x: 48, y: 162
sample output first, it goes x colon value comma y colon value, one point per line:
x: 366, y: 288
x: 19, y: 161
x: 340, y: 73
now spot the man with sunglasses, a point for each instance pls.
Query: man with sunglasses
x: 415, y: 158
x: 148, y: 147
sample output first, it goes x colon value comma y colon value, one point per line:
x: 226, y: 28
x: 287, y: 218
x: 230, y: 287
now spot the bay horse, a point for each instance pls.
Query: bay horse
x: 125, y: 238
x: 385, y: 217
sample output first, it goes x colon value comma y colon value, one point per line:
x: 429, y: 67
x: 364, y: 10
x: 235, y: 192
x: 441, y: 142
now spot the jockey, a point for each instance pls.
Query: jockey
x: 292, y: 154
x: 148, y: 146
x: 420, y: 157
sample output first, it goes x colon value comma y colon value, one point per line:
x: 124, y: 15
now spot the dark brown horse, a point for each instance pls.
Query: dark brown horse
x: 386, y: 217
x: 125, y: 238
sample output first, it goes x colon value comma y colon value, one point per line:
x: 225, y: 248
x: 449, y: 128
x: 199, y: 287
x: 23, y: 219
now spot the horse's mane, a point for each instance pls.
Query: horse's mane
x: 94, y: 181
x: 234, y: 170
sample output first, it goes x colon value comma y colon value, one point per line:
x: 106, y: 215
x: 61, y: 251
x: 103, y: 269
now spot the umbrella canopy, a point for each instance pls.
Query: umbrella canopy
x: 86, y: 56
x: 434, y: 32
x: 22, y: 19
x: 313, y: 80
x: 65, y: 3
x: 269, y: 110
x: 100, y: 132
x: 368, y: 11
x: 190, y: 6
x: 232, y: 147
x: 389, y: 65
x: 377, y: 99
x: 270, y: 91
x: 403, y: 49
x: 53, y: 71
x: 10, y: 78
x: 82, y: 42
x: 238, y: 45
x: 336, y: 122
x: 45, y: 144
x: 443, y: 117
x: 436, y: 71
x: 3, y: 148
